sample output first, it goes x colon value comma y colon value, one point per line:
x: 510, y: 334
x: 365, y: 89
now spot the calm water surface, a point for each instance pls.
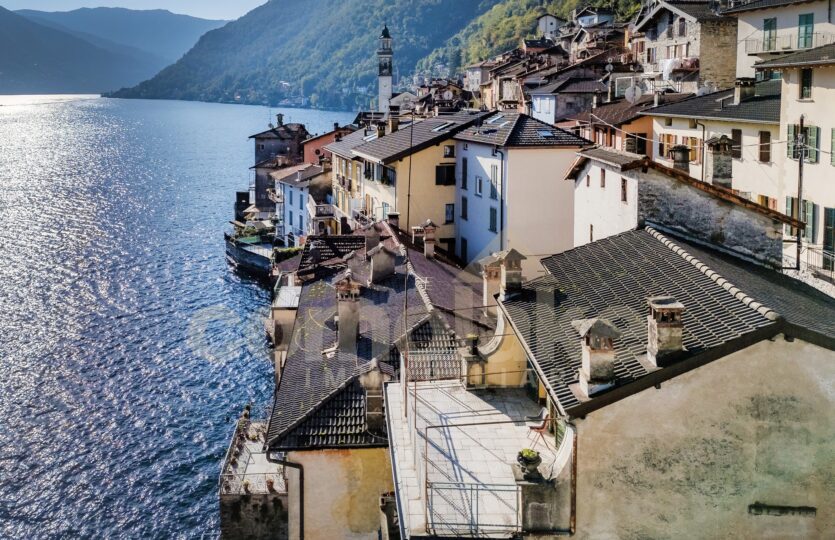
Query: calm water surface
x: 127, y: 347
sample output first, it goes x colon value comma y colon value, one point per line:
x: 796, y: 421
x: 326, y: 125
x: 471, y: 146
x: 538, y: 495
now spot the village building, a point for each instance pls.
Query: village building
x: 509, y: 185
x: 314, y: 151
x: 767, y: 30
x: 477, y: 74
x: 807, y: 92
x: 619, y: 124
x: 548, y: 26
x: 570, y: 93
x: 303, y: 202
x: 629, y: 335
x: 684, y: 45
x: 733, y: 138
x: 277, y: 147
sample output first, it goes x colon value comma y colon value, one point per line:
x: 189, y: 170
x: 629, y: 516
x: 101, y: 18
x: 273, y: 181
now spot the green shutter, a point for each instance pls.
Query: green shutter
x: 813, y: 136
x: 786, y: 228
x: 790, y: 138
x: 832, y: 147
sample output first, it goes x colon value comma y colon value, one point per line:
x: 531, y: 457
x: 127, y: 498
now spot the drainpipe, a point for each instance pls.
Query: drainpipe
x: 704, y: 150
x: 501, y: 202
x: 299, y: 467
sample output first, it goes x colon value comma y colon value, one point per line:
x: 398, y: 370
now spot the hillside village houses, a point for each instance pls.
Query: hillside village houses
x: 472, y: 283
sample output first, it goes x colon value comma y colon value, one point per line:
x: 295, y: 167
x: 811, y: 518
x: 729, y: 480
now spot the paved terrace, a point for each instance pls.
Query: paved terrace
x: 246, y: 469
x: 457, y: 479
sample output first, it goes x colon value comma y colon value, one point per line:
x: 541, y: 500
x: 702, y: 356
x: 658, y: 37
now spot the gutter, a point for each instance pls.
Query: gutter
x: 400, y: 520
x: 501, y: 203
x: 299, y: 467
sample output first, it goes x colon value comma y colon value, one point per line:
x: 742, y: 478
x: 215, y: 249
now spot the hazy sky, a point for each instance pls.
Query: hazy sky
x: 209, y: 9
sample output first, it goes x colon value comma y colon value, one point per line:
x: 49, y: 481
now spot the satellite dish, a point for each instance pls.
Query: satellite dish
x: 633, y: 94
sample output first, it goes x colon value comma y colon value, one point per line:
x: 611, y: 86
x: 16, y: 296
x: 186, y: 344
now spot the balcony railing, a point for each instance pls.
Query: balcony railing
x: 785, y: 43
x: 274, y: 196
x: 315, y: 210
x: 470, y: 509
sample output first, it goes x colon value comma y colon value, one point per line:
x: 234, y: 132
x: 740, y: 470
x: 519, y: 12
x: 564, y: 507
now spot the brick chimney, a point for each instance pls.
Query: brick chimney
x: 680, y: 155
x: 598, y: 360
x: 348, y: 311
x: 664, y: 329
x: 744, y: 88
x: 394, y: 220
x: 429, y: 229
x: 510, y: 262
x: 382, y: 263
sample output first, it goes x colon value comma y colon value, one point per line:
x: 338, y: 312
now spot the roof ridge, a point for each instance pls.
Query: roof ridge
x: 732, y: 289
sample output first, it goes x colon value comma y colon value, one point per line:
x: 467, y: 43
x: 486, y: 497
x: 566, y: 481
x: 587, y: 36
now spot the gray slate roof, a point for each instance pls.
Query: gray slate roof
x: 345, y: 147
x: 819, y: 56
x: 764, y: 107
x: 612, y: 279
x: 413, y: 138
x: 513, y: 129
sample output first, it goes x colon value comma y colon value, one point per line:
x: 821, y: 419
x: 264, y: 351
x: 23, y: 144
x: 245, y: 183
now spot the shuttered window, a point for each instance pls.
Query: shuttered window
x: 765, y: 146
x: 808, y: 215
x: 736, y: 149
x: 832, y: 147
x: 812, y: 136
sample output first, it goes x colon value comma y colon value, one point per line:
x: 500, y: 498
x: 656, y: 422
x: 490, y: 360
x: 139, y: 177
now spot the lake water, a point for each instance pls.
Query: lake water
x: 127, y: 347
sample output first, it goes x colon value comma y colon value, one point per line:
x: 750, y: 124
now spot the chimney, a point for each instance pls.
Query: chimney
x: 382, y: 263
x: 372, y: 378
x: 490, y: 275
x: 336, y: 126
x: 315, y: 254
x: 372, y: 239
x: 598, y: 361
x: 347, y: 311
x: 744, y: 89
x: 664, y: 326
x: 656, y: 99
x: 279, y: 118
x: 429, y: 239
x: 594, y: 101
x: 381, y: 130
x: 681, y: 157
x: 393, y: 124
x: 510, y: 281
x: 394, y: 220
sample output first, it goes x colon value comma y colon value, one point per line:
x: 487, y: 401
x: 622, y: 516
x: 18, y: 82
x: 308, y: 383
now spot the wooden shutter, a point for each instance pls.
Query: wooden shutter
x: 791, y: 136
x: 788, y: 230
x: 736, y: 150
x: 812, y: 136
x: 832, y: 147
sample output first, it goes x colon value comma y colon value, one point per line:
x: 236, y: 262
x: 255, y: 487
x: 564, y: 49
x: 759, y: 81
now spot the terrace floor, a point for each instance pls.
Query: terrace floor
x: 246, y: 469
x: 454, y: 473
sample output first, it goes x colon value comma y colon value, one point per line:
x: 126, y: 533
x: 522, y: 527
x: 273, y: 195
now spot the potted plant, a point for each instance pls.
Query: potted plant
x: 270, y: 484
x: 246, y: 486
x: 529, y: 460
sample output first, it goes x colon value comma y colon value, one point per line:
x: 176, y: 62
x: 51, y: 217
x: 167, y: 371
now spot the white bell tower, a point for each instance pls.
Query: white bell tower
x: 384, y: 55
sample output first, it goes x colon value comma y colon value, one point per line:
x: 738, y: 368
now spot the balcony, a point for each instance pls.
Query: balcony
x: 320, y: 211
x: 275, y: 196
x: 245, y: 469
x: 786, y: 43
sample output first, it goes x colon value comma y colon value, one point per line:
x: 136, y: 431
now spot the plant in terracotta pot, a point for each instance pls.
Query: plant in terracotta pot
x: 529, y: 460
x: 270, y: 485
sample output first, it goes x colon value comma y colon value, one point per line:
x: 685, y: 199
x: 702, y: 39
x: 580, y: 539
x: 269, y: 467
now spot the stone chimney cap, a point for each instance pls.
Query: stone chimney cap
x: 745, y: 81
x: 429, y: 223
x: 346, y: 277
x: 509, y: 255
x: 489, y: 261
x: 599, y: 327
x: 667, y: 303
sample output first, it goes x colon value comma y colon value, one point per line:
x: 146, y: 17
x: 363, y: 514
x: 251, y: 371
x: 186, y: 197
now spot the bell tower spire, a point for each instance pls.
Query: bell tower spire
x: 384, y: 56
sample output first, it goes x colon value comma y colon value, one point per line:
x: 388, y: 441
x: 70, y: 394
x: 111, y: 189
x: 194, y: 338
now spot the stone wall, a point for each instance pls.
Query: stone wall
x: 681, y: 208
x: 717, y: 57
x: 254, y: 517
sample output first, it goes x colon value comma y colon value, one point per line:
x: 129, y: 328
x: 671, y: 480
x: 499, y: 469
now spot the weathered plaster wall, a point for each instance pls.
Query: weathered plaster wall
x: 341, y: 493
x: 685, y: 461
x: 699, y: 215
x: 254, y: 517
x: 600, y: 206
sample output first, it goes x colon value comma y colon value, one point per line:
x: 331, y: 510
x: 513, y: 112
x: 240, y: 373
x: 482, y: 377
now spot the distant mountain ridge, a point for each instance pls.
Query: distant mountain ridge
x: 316, y: 52
x: 159, y: 32
x: 90, y: 50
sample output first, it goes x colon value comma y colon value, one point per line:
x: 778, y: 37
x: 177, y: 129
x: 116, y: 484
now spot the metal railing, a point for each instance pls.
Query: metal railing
x: 787, y: 42
x: 469, y: 509
x: 820, y: 262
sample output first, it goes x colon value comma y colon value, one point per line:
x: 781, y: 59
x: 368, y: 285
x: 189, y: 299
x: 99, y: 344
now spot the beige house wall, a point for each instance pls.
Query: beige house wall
x: 341, y: 493
x: 540, y: 216
x: 686, y: 460
x: 818, y: 178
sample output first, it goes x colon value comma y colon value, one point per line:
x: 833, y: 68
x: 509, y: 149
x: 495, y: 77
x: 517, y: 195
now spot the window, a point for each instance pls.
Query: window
x: 301, y: 200
x: 494, y: 181
x: 463, y: 173
x: 291, y: 219
x: 291, y: 199
x: 386, y: 208
x: 464, y: 249
x: 445, y: 175
x: 811, y: 138
x: 637, y: 142
x: 682, y: 26
x: 588, y: 180
x: 668, y: 122
x: 768, y: 202
x: 736, y: 149
x: 463, y: 208
x: 261, y: 146
x: 670, y: 22
x: 808, y: 215
x: 623, y: 190
x: 301, y: 226
x: 805, y: 84
x: 765, y: 146
x: 805, y: 30
x: 493, y: 220
x: 449, y: 213
x: 832, y: 147
x: 695, y: 145
x: 666, y: 143
x: 591, y: 233
x: 388, y: 176
x: 769, y: 34
x: 603, y: 178
x: 449, y: 151
x: 479, y: 184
